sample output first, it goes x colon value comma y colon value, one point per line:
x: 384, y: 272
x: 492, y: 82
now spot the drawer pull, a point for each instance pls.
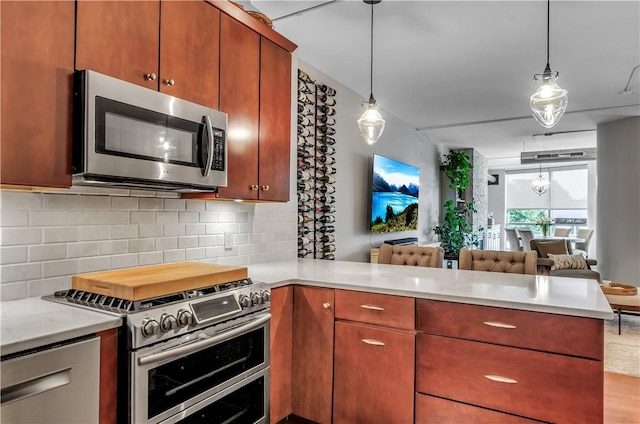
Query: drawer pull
x: 498, y: 324
x: 500, y: 379
x: 373, y: 342
x: 372, y: 308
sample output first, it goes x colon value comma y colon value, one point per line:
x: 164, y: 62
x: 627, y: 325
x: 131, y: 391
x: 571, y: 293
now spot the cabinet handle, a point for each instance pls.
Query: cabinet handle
x: 169, y: 82
x: 500, y: 379
x: 150, y: 77
x: 373, y: 342
x: 254, y: 187
x: 265, y: 188
x: 372, y: 307
x: 36, y: 386
x: 498, y: 324
x: 326, y: 305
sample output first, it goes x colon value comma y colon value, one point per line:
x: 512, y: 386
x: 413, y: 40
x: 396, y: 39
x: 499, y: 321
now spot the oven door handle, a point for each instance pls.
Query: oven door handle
x: 190, y: 348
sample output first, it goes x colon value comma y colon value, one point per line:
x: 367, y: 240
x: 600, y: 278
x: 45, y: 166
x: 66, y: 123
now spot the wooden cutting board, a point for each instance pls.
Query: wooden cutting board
x: 157, y: 280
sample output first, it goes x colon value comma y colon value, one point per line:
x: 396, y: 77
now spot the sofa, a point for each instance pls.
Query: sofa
x: 556, y: 257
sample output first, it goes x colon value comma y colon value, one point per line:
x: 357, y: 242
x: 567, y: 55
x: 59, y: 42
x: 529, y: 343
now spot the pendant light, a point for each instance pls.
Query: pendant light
x: 540, y: 184
x: 549, y: 101
x: 371, y: 123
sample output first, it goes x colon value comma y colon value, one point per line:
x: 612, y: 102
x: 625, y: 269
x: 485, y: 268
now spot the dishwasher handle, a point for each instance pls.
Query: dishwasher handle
x: 35, y: 386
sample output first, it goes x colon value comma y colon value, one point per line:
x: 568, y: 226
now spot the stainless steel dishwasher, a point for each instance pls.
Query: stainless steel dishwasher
x: 56, y: 385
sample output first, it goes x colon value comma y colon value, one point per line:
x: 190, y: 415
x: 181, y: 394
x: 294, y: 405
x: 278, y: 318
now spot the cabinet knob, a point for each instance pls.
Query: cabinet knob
x: 169, y: 82
x: 254, y: 187
x: 265, y: 188
x: 150, y: 77
x: 326, y: 305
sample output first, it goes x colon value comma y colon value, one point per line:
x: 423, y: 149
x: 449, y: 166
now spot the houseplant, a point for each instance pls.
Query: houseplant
x: 544, y: 223
x: 456, y: 227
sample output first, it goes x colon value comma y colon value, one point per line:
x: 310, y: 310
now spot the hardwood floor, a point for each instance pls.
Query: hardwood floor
x: 621, y: 399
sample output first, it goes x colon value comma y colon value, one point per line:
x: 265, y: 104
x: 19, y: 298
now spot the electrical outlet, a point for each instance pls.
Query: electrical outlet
x: 228, y: 240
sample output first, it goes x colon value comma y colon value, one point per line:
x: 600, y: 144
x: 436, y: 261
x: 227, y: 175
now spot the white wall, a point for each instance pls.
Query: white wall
x: 353, y: 178
x: 618, y: 219
x: 497, y: 202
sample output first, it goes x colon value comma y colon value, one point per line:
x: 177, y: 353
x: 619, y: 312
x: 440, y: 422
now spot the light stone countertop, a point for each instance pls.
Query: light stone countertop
x: 558, y: 295
x: 33, y: 322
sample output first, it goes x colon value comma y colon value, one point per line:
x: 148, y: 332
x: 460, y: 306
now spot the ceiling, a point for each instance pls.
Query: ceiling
x: 462, y: 71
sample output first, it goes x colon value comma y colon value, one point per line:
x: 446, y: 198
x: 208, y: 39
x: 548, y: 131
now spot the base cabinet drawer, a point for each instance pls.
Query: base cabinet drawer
x: 377, y: 309
x: 373, y: 375
x: 542, y: 386
x: 434, y: 410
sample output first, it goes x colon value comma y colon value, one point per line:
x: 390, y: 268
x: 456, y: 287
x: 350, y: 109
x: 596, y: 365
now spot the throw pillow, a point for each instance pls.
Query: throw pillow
x: 556, y: 247
x: 568, y: 262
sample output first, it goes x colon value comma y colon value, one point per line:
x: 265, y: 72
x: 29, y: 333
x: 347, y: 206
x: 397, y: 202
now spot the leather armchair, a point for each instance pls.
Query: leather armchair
x: 498, y: 261
x: 411, y: 255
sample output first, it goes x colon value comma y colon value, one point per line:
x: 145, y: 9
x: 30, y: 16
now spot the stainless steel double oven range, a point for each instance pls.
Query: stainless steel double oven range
x: 198, y: 356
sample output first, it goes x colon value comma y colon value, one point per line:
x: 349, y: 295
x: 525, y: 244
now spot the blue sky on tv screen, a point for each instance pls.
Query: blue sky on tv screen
x: 396, y: 173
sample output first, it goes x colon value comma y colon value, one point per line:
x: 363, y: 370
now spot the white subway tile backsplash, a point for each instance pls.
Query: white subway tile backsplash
x: 48, y: 218
x: 48, y: 237
x: 150, y: 230
x: 95, y: 202
x: 124, y: 232
x: 126, y: 203
x: 59, y: 268
x: 47, y: 286
x: 168, y: 194
x: 166, y: 243
x: 21, y: 236
x: 174, y: 229
x: 84, y: 249
x: 95, y: 264
x: 13, y: 254
x: 114, y: 191
x: 14, y: 217
x: 60, y: 201
x: 47, y: 252
x: 111, y: 218
x: 93, y: 232
x: 124, y: 261
x: 177, y: 255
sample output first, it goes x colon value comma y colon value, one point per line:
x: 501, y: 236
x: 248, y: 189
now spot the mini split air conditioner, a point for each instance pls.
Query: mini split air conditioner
x: 567, y: 155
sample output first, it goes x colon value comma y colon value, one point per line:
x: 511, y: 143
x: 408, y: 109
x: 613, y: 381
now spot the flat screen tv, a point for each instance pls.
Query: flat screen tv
x: 394, y: 196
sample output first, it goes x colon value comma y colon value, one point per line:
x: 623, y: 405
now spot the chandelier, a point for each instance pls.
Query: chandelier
x: 540, y: 184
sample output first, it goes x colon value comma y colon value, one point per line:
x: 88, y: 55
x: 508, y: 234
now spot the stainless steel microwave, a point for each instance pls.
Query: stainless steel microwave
x: 133, y: 137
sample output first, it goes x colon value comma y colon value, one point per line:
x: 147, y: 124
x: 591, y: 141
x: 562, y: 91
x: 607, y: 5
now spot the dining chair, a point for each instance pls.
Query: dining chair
x: 411, y: 255
x: 512, y: 239
x: 562, y: 232
x: 498, y: 261
x: 526, y: 236
x: 583, y: 247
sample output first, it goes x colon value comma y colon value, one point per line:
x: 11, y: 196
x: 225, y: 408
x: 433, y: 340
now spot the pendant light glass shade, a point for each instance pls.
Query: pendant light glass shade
x: 540, y: 184
x: 371, y: 123
x: 549, y: 101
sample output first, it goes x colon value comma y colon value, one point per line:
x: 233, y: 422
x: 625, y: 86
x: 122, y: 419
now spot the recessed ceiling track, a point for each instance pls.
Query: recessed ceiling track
x: 566, y: 155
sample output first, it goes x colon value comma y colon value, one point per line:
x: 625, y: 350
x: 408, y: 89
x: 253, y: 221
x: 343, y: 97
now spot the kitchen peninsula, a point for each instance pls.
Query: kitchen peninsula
x: 356, y: 342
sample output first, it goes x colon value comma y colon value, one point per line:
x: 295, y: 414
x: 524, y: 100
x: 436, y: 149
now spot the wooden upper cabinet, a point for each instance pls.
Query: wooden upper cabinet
x: 239, y: 98
x: 119, y: 39
x: 37, y: 66
x: 275, y: 121
x: 189, y: 51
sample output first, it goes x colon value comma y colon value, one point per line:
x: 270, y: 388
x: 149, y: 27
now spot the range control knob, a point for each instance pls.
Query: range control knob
x: 255, y: 299
x: 265, y: 295
x: 184, y: 318
x: 150, y: 327
x: 168, y: 322
x: 244, y: 300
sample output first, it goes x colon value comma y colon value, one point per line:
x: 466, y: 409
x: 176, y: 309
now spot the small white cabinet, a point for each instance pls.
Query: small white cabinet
x: 492, y: 237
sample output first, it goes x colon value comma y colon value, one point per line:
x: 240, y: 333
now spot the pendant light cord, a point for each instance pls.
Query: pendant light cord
x: 548, y: 14
x: 371, y: 44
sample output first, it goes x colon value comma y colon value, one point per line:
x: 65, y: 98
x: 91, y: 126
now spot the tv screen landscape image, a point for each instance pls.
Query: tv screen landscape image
x: 394, y: 196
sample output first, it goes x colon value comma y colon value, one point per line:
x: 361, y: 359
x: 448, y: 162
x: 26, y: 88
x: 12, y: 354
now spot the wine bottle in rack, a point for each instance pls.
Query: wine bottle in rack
x: 329, y: 101
x: 324, y: 188
x: 327, y: 238
x: 326, y: 209
x: 329, y: 120
x: 304, y: 87
x: 306, y: 98
x: 304, y: 154
x: 327, y: 160
x: 304, y: 120
x: 328, y: 248
x: 327, y: 150
x: 328, y: 170
x: 327, y: 229
x: 303, y: 164
x: 305, y: 185
x: 304, y: 197
x: 303, y: 229
x: 304, y: 76
x: 326, y: 139
x: 303, y: 252
x: 329, y: 200
x: 327, y: 110
x: 326, y: 129
x: 303, y: 175
x: 304, y: 208
x: 303, y: 240
x: 304, y: 131
x: 302, y: 219
x: 326, y: 89
x: 307, y: 110
x: 329, y: 257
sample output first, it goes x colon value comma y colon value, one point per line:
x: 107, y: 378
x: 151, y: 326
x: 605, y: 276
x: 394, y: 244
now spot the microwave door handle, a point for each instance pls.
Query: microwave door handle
x: 207, y: 168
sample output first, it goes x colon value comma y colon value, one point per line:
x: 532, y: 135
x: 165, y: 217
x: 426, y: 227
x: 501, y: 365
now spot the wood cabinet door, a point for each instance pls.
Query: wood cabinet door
x: 190, y: 51
x: 37, y: 76
x: 119, y: 39
x: 239, y: 98
x: 275, y: 122
x: 281, y: 351
x: 312, y: 378
x: 374, y: 374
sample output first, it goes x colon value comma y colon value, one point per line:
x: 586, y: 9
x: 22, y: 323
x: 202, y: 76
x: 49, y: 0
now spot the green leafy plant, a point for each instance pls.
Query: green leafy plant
x: 457, y: 166
x: 456, y: 229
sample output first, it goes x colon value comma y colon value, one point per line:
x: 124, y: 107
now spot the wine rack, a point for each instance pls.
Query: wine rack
x: 316, y: 169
